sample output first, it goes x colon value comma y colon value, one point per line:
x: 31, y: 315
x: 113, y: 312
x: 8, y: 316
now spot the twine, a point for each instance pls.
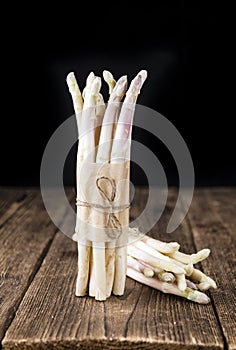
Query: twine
x: 112, y: 219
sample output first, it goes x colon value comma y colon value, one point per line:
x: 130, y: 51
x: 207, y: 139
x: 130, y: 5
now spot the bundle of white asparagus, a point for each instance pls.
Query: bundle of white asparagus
x: 102, y: 164
x: 107, y: 248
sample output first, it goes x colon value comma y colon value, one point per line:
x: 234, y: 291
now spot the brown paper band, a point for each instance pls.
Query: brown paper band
x: 99, y: 189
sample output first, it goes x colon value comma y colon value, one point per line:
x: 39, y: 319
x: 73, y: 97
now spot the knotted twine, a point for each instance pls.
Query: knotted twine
x: 112, y: 220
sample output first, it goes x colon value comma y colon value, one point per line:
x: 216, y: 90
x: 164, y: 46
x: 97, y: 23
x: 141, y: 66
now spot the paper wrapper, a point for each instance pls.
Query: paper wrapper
x: 103, y: 202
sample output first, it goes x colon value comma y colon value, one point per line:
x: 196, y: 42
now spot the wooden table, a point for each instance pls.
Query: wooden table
x: 38, y: 307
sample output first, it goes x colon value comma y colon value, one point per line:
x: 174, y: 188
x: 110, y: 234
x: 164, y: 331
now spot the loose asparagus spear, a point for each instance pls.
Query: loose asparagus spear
x: 170, y: 288
x: 166, y: 277
x: 191, y: 258
x: 205, y: 281
x: 162, y: 247
x: 138, y: 266
x: 160, y: 273
x: 156, y: 262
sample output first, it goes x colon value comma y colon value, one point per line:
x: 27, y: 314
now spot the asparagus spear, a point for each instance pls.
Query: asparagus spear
x: 166, y: 277
x: 170, y: 288
x: 156, y: 262
x: 191, y: 284
x: 75, y: 93
x: 88, y: 123
x: 118, y: 153
x: 83, y: 251
x: 191, y: 258
x: 103, y: 155
x: 109, y: 79
x: 138, y: 266
x: 109, y: 120
x: 205, y: 281
x: 162, y: 247
x: 88, y: 85
x: 102, y: 271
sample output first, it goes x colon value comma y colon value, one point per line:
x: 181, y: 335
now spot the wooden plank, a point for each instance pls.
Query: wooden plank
x: 213, y: 222
x: 24, y: 240
x: 10, y: 201
x: 50, y: 316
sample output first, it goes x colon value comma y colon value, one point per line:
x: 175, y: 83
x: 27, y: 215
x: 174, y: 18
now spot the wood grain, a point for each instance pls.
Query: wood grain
x: 50, y: 316
x: 213, y: 221
x: 10, y: 201
x: 25, y: 238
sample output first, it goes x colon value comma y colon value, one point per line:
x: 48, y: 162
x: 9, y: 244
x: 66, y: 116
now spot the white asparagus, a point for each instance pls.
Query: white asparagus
x: 181, y: 282
x: 78, y: 107
x: 169, y: 288
x: 160, y: 273
x: 163, y: 275
x: 109, y: 79
x: 191, y: 258
x: 191, y: 284
x: 150, y: 259
x: 75, y: 93
x: 138, y: 266
x: 121, y: 154
x: 206, y: 282
x: 188, y: 268
x: 103, y: 155
x: 162, y: 247
x: 109, y: 120
x: 166, y: 277
x: 88, y: 124
x: 148, y: 249
x: 97, y: 284
x: 125, y: 122
x: 88, y: 85
x: 83, y: 249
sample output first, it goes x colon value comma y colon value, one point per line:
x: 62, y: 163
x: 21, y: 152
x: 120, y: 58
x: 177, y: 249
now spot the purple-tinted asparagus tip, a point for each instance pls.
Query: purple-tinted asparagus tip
x: 121, y: 86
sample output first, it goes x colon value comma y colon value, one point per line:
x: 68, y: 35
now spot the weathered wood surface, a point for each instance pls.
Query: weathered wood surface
x: 26, y: 233
x: 50, y: 316
x: 213, y: 221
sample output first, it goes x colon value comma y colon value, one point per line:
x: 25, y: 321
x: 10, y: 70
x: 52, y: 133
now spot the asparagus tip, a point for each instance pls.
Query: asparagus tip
x: 206, y: 284
x: 148, y: 272
x: 143, y: 74
x: 121, y: 86
x: 197, y: 296
x: 96, y: 86
x: 201, y: 255
x: 107, y: 76
x: 70, y: 77
x: 90, y: 78
x: 174, y: 245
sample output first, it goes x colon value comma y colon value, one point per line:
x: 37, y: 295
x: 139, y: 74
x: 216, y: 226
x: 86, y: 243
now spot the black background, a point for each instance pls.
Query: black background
x: 182, y: 47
